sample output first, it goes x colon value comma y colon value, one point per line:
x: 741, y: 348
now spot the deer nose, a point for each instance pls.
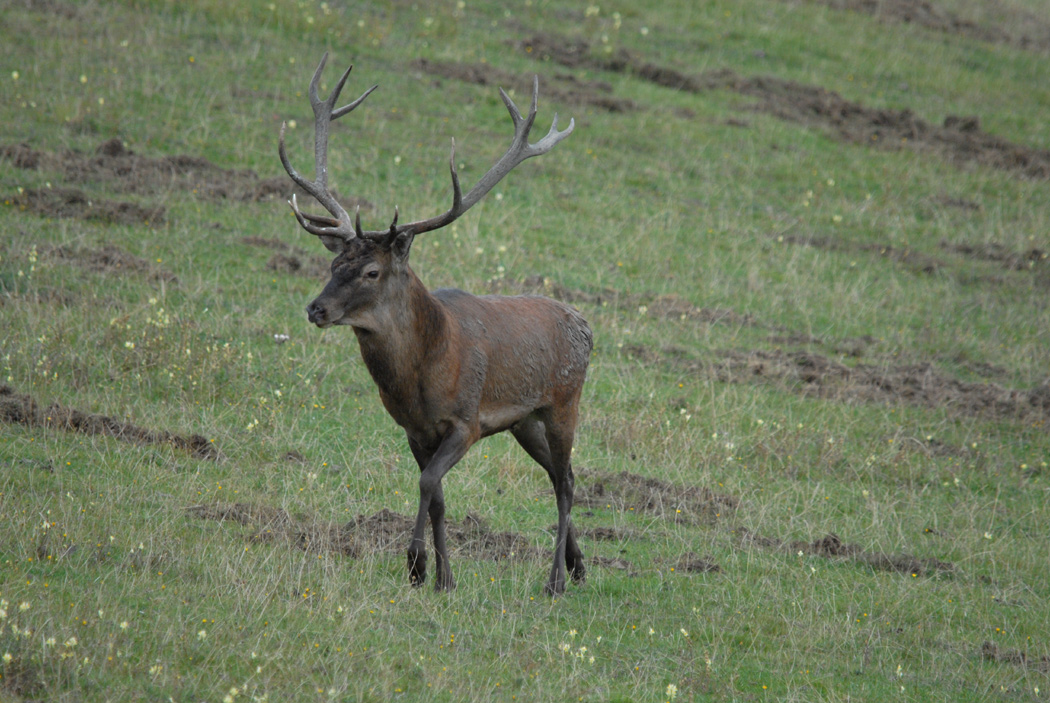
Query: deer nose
x: 316, y: 313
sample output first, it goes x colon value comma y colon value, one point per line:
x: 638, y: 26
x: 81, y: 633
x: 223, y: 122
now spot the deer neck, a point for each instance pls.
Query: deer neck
x: 406, y: 332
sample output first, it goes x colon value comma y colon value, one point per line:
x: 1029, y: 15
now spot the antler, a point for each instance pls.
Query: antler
x: 324, y: 114
x: 339, y: 224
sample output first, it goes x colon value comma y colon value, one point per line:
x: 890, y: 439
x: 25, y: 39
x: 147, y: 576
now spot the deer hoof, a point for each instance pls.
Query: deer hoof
x: 555, y: 588
x: 578, y: 573
x: 417, y: 568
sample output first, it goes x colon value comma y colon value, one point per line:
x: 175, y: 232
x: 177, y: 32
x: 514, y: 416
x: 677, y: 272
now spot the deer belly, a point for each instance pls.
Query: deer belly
x: 503, y: 417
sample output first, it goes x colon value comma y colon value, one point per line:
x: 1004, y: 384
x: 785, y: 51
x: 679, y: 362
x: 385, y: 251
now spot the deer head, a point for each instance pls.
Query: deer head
x: 371, y: 266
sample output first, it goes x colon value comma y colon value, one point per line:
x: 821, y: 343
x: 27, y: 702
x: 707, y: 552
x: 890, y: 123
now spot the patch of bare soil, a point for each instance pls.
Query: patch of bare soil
x: 602, y: 534
x: 919, y: 384
x: 24, y: 678
x: 384, y: 531
x: 125, y: 171
x: 1033, y: 260
x: 959, y: 139
x: 18, y: 408
x: 291, y: 259
x: 562, y: 88
x: 541, y: 285
x: 1032, y: 32
x: 997, y: 253
x: 994, y: 653
x: 690, y: 563
x: 630, y: 492
x: 109, y: 259
x: 62, y: 202
x: 815, y: 375
x: 914, y: 260
x: 670, y: 307
x: 56, y: 8
x: 832, y: 546
x: 117, y: 168
x: 855, y: 347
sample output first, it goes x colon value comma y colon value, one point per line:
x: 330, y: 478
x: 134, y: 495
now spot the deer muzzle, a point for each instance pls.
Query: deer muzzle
x: 318, y: 314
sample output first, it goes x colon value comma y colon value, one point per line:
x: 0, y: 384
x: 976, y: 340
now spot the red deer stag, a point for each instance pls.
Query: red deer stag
x: 452, y: 367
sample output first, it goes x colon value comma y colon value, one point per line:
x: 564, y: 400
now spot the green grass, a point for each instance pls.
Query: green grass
x: 690, y: 198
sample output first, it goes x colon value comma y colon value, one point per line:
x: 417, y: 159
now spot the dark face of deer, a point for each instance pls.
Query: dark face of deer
x: 365, y: 276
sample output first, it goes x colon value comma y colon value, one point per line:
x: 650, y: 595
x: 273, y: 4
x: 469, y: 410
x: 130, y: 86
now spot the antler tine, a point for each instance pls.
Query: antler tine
x: 519, y: 150
x: 324, y: 112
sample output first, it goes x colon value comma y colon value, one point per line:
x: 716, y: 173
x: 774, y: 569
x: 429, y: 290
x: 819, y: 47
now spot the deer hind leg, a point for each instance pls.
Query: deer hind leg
x: 551, y: 449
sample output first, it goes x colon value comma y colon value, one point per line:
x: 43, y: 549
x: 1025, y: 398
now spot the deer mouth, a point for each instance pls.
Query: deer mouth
x: 319, y: 314
x: 324, y: 322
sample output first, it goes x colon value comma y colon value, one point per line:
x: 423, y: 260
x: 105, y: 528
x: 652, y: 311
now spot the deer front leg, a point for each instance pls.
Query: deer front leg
x: 432, y: 504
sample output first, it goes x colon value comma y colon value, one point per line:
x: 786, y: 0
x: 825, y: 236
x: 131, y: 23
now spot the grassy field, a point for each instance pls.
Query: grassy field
x: 812, y: 241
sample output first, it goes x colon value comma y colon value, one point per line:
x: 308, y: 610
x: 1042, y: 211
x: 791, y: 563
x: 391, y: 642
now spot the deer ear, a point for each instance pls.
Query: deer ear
x: 336, y: 245
x: 400, y: 244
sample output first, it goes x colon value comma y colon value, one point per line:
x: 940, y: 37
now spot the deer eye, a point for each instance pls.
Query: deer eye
x: 374, y: 273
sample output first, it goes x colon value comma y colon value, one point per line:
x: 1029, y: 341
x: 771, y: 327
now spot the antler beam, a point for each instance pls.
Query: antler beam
x: 339, y: 224
x: 324, y: 114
